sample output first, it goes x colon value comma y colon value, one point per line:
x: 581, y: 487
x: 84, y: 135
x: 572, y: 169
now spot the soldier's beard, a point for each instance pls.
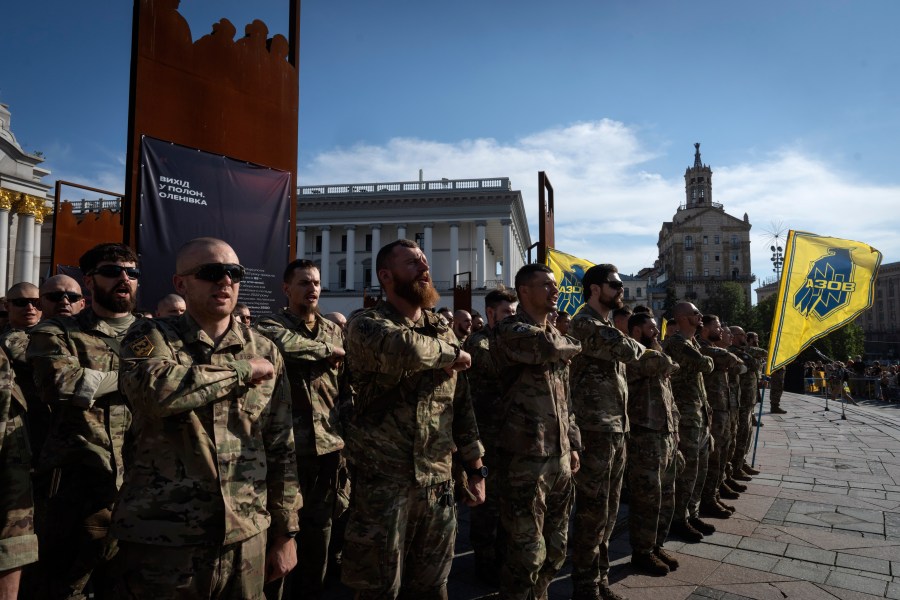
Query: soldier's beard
x: 419, y: 293
x: 109, y: 300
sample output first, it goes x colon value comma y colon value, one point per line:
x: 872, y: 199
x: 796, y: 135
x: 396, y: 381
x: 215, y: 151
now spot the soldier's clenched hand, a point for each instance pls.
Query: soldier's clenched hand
x: 262, y: 369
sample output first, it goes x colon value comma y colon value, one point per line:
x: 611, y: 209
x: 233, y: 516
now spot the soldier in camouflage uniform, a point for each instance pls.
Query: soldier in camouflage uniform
x: 76, y: 367
x: 313, y: 352
x: 484, y: 383
x: 761, y: 355
x: 729, y: 484
x: 718, y: 395
x: 693, y: 423
x: 61, y: 297
x: 652, y: 450
x: 18, y: 542
x: 539, y: 439
x: 599, y: 392
x: 24, y: 306
x: 214, y: 476
x: 753, y: 357
x: 411, y: 411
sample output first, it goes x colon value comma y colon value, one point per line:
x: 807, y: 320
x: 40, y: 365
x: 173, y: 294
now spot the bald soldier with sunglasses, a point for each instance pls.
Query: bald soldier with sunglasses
x: 209, y: 504
x: 76, y: 367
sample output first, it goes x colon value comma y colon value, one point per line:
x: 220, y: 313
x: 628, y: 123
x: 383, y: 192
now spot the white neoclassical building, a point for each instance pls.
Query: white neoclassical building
x: 468, y: 228
x: 23, y: 206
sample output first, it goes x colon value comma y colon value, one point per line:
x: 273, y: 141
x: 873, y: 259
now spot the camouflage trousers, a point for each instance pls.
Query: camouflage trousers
x: 485, y: 532
x: 651, y: 483
x: 323, y: 485
x: 232, y: 572
x: 399, y: 540
x: 598, y: 485
x: 75, y: 545
x: 777, y: 388
x: 18, y: 542
x: 731, y: 448
x: 742, y: 438
x: 693, y: 442
x: 720, y: 430
x: 536, y: 495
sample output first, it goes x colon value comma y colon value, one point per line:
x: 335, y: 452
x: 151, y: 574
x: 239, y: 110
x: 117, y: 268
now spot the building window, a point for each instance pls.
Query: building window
x: 689, y: 273
x: 420, y: 240
x: 637, y: 292
x: 706, y: 257
x: 344, y: 243
x: 319, y: 243
x: 734, y: 240
x: 627, y: 295
x: 734, y: 257
x: 705, y: 240
x: 716, y: 240
x: 718, y: 272
x: 717, y: 258
x: 706, y: 272
x: 688, y: 242
x: 342, y: 277
x: 734, y: 274
x: 367, y: 275
x: 688, y: 258
x: 368, y: 242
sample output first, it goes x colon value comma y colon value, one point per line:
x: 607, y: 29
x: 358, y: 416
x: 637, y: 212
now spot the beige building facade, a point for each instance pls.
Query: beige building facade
x: 702, y: 247
x: 24, y: 205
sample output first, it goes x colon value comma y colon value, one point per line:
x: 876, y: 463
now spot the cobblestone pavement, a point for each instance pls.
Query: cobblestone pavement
x: 821, y: 522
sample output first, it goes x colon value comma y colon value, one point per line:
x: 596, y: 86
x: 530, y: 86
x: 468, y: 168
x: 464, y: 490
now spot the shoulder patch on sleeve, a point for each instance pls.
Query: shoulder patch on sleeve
x: 142, y: 347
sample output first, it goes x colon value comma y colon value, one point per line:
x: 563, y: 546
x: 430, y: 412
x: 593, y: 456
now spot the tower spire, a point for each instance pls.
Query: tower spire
x: 697, y: 162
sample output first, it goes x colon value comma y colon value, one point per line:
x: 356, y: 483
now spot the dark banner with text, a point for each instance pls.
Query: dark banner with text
x: 188, y: 193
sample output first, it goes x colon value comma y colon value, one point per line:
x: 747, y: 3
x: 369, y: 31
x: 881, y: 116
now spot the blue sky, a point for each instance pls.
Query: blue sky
x: 796, y: 104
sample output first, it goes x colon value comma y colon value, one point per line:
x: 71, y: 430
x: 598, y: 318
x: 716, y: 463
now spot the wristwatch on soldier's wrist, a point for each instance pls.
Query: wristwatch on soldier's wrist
x: 481, y: 471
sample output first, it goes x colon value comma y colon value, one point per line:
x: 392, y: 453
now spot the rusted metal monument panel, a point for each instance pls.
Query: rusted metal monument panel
x: 545, y: 217
x: 79, y: 226
x: 238, y: 98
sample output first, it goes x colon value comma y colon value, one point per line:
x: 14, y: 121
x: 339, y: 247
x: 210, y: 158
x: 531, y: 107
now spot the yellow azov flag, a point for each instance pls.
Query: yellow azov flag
x: 568, y: 270
x: 826, y: 283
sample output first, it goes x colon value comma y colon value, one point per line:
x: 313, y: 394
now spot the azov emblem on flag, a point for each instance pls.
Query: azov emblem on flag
x: 571, y: 293
x: 829, y: 284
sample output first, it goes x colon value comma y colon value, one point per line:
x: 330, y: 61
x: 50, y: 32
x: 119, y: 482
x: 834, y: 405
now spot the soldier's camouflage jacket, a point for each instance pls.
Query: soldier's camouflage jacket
x: 484, y: 383
x: 687, y: 382
x: 315, y: 385
x: 597, y: 378
x: 532, y: 360
x: 409, y: 414
x: 214, y: 455
x: 14, y: 343
x: 650, y: 402
x: 71, y: 356
x: 18, y: 543
x: 725, y: 365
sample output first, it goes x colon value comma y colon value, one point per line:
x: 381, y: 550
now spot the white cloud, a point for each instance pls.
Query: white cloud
x: 610, y: 207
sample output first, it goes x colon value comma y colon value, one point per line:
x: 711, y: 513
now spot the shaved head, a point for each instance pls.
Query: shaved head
x: 188, y: 254
x: 22, y: 290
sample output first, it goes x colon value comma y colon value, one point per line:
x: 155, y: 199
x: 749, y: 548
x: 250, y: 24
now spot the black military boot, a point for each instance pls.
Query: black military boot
x: 726, y: 492
x: 667, y: 558
x: 649, y: 564
x: 686, y: 531
x: 738, y: 487
x: 749, y: 470
x: 702, y: 526
x: 710, y: 508
x: 606, y: 593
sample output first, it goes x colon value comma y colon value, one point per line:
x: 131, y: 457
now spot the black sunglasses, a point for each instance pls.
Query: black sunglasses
x: 23, y: 302
x: 72, y: 297
x: 217, y: 271
x: 115, y: 271
x: 616, y: 285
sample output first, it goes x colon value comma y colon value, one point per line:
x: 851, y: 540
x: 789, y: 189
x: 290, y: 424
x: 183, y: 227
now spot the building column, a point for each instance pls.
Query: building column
x: 351, y: 257
x: 428, y: 242
x: 325, y: 271
x: 301, y: 241
x: 479, y: 253
x: 38, y: 221
x: 26, y: 209
x: 454, y: 251
x: 6, y: 202
x: 507, y: 252
x: 376, y: 246
x: 401, y: 231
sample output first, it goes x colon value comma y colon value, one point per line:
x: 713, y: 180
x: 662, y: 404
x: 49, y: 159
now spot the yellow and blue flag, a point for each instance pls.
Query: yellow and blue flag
x: 826, y: 283
x: 568, y: 270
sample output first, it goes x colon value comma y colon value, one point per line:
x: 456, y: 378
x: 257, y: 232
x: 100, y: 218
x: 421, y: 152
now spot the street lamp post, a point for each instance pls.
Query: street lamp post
x: 777, y: 260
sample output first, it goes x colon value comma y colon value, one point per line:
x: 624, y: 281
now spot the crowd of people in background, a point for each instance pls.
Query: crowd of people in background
x: 197, y: 450
x: 855, y: 378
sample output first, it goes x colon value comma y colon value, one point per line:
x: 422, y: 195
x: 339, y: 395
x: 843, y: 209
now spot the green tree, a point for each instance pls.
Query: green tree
x: 761, y: 317
x: 729, y: 302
